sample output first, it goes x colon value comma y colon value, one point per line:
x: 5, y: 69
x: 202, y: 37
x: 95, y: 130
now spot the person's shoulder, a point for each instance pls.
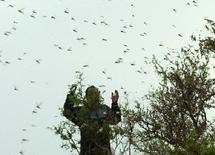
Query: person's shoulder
x: 104, y: 106
x: 78, y: 107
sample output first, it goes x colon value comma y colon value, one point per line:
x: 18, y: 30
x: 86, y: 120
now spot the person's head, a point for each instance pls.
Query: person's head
x: 92, y: 97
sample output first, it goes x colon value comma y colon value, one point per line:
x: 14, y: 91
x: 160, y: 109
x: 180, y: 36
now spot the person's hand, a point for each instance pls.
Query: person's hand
x: 73, y: 88
x: 115, y: 97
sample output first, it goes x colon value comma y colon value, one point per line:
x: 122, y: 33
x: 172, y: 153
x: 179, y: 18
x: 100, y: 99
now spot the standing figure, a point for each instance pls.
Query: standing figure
x: 93, y: 120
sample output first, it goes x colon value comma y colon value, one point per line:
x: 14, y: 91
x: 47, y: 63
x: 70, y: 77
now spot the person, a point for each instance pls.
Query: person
x: 93, y: 119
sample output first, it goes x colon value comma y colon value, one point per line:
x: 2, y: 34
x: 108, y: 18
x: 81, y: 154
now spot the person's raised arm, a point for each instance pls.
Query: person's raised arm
x: 70, y: 112
x: 70, y: 97
x: 115, y: 110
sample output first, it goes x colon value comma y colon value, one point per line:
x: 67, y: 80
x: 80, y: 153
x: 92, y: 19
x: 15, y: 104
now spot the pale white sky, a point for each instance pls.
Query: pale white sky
x: 24, y: 39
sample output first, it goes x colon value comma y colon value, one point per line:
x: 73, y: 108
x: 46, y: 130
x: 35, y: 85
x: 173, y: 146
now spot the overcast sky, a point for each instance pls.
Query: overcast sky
x: 43, y: 44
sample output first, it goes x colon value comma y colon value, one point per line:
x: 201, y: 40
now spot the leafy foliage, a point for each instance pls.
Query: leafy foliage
x: 176, y: 121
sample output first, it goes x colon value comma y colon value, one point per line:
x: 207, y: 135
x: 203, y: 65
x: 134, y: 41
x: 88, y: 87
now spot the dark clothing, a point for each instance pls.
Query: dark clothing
x: 94, y: 126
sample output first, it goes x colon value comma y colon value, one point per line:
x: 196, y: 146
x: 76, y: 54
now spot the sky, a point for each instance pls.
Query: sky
x: 44, y: 43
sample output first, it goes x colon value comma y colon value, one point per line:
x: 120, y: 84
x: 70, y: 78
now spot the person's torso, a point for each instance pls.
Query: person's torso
x: 95, y: 130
